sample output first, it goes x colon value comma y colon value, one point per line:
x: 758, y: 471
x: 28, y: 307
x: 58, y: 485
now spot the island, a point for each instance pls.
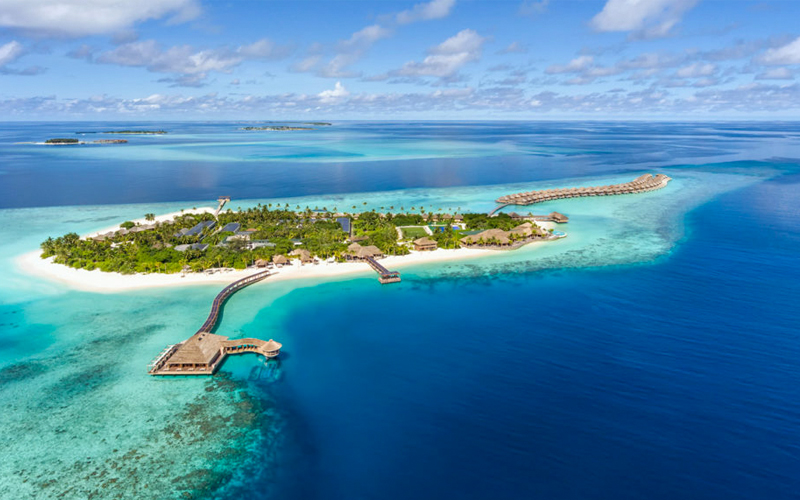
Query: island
x: 135, y: 132
x: 276, y: 128
x: 69, y: 142
x: 274, y: 236
x: 62, y: 141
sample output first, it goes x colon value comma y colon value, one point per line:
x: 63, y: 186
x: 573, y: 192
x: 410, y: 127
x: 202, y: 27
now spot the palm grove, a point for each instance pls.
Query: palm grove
x: 151, y: 248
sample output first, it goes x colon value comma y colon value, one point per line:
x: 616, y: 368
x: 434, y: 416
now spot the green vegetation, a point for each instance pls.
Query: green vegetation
x: 265, y: 231
x: 448, y: 238
x: 413, y: 232
x: 483, y: 221
x: 62, y: 141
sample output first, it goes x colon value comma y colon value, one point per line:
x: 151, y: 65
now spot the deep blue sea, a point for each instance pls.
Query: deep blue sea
x: 653, y: 353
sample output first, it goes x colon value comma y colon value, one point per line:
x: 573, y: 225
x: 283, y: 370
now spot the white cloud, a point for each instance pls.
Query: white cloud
x: 514, y: 48
x: 696, y: 70
x: 365, y: 37
x: 647, y: 18
x: 435, y: 9
x: 76, y: 18
x: 187, y: 61
x: 348, y: 52
x: 776, y: 74
x: 755, y: 98
x: 446, y: 58
x: 338, y: 94
x: 786, y: 54
x: 532, y: 8
x: 10, y: 52
x: 574, y: 66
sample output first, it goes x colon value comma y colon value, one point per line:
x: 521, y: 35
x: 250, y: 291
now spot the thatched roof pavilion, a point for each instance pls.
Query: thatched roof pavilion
x: 425, y: 244
x: 489, y: 237
x: 280, y: 260
x: 361, y: 252
x: 261, y: 263
x: 305, y: 255
x: 559, y: 217
x: 526, y: 229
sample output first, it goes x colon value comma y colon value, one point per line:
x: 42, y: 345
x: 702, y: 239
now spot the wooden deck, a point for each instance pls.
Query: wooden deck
x: 204, y: 352
x: 384, y: 275
x: 641, y: 184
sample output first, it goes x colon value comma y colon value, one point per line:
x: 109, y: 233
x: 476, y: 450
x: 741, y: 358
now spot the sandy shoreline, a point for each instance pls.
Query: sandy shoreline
x: 31, y: 263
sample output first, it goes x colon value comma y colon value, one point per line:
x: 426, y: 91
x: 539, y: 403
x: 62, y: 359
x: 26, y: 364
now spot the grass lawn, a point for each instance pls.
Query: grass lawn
x: 414, y: 232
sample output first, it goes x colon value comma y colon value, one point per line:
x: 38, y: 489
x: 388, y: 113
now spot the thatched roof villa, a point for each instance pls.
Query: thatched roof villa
x: 425, y: 244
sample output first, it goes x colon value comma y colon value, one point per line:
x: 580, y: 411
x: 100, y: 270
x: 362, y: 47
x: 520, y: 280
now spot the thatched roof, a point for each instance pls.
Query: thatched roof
x: 424, y: 241
x: 199, y: 348
x: 271, y: 346
x: 558, y: 217
x: 280, y: 259
x: 261, y: 263
x: 304, y: 254
x: 363, y: 251
x: 525, y: 229
x: 498, y: 234
x: 372, y: 250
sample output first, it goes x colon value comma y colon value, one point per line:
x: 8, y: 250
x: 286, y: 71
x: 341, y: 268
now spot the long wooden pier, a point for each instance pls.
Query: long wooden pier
x: 641, y: 184
x: 204, y: 352
x: 216, y: 306
x: 384, y: 275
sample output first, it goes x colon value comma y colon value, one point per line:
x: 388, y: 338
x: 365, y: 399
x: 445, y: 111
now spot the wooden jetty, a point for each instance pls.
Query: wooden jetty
x: 222, y: 200
x: 204, y: 352
x: 384, y: 275
x: 641, y: 184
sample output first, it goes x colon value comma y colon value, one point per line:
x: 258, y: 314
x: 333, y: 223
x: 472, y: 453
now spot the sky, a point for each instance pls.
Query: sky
x: 388, y: 60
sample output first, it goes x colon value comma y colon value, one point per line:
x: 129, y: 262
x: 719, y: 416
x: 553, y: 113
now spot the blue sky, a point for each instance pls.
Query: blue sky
x: 441, y: 59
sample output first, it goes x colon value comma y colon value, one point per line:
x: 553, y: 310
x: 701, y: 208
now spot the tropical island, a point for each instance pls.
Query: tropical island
x: 135, y: 132
x: 276, y: 128
x: 67, y: 142
x: 268, y: 235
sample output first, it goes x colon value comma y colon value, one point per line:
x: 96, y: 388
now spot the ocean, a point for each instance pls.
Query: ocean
x: 653, y: 353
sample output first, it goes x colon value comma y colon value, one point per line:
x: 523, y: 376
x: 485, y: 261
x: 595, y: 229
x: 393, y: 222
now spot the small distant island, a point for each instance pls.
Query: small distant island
x: 62, y: 141
x: 69, y: 142
x: 136, y: 132
x: 276, y: 127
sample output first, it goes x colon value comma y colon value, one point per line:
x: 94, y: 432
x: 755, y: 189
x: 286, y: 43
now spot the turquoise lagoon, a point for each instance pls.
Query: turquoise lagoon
x: 555, y: 368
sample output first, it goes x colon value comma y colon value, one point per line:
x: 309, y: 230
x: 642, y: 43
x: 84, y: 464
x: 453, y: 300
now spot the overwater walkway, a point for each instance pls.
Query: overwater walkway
x: 204, y: 352
x: 641, y: 184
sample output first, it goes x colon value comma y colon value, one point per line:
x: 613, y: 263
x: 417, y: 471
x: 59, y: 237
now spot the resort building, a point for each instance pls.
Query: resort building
x: 204, y: 352
x: 357, y: 252
x: 425, y: 244
x: 493, y: 237
x: 305, y: 255
x: 345, y: 224
x: 197, y: 229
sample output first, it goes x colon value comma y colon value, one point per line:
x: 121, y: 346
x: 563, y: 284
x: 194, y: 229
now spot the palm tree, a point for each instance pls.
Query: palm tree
x: 149, y: 217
